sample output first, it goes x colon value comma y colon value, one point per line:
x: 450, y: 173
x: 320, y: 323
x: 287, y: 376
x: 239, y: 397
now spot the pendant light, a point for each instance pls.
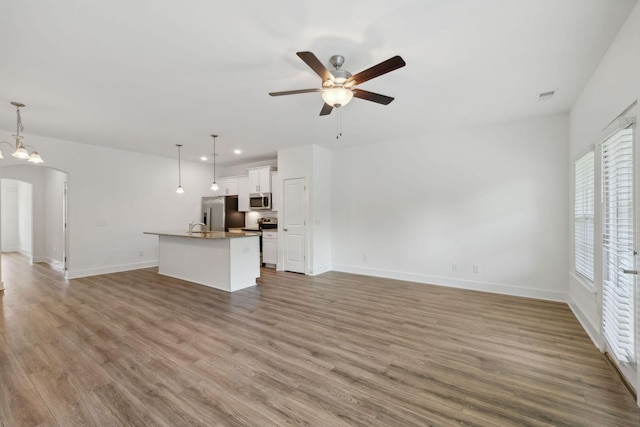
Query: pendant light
x: 20, y: 151
x: 180, y: 190
x: 214, y: 186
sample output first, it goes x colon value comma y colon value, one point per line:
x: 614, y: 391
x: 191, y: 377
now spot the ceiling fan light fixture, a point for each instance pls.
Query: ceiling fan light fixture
x: 337, y: 96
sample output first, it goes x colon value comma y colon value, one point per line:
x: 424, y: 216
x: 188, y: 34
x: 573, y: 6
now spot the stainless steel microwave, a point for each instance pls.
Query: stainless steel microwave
x: 260, y: 201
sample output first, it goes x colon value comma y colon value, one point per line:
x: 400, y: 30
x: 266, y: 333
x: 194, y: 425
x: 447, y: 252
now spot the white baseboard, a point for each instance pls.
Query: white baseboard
x: 320, y: 270
x: 76, y: 274
x: 497, y: 288
x: 592, y: 330
x: 55, y: 263
x: 18, y: 250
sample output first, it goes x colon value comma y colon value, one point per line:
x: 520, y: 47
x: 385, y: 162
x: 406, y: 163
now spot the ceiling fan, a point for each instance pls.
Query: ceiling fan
x: 338, y: 86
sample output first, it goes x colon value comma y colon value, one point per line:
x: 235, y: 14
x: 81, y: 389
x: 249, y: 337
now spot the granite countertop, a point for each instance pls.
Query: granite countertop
x: 212, y: 235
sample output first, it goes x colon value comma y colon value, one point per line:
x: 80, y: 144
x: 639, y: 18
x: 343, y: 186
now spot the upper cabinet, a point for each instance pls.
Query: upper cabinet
x: 228, y: 187
x: 260, y: 180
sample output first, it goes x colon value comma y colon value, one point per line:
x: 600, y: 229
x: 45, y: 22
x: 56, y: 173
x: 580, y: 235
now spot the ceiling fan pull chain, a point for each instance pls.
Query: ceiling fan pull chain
x: 339, y: 124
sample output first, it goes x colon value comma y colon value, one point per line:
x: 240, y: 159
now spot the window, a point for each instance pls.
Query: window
x: 583, y: 215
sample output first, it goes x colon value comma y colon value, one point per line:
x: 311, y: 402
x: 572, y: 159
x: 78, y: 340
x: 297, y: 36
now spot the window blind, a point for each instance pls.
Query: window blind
x: 583, y: 215
x: 618, y: 244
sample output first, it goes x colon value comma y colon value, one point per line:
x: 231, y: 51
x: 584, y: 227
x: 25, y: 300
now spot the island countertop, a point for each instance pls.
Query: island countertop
x: 209, y: 235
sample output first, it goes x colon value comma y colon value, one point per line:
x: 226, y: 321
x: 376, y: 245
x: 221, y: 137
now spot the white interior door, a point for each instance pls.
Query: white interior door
x: 294, y: 208
x: 619, y: 253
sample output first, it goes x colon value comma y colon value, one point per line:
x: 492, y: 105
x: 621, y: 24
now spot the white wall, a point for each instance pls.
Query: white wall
x: 493, y: 196
x: 113, y: 197
x: 612, y: 88
x: 321, y: 208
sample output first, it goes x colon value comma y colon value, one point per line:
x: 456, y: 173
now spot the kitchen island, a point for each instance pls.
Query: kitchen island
x: 226, y: 261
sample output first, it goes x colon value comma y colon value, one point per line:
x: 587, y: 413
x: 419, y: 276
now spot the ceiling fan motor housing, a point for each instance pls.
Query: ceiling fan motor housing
x: 339, y: 77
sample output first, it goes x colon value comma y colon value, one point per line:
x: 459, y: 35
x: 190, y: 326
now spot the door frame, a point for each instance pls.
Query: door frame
x: 65, y: 227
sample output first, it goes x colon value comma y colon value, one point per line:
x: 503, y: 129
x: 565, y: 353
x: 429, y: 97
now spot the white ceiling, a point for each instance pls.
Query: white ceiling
x: 145, y: 75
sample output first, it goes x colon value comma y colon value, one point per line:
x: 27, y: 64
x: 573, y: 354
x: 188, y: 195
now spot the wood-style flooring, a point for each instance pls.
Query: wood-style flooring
x: 140, y: 349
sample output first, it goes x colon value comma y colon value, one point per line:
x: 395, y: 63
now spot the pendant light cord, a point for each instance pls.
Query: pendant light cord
x: 214, y: 159
x: 179, y: 168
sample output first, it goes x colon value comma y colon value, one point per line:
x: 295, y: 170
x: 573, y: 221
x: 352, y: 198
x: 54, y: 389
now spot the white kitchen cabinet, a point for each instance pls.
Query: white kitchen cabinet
x: 243, y: 194
x: 276, y: 192
x: 269, y: 247
x: 228, y: 187
x: 260, y: 180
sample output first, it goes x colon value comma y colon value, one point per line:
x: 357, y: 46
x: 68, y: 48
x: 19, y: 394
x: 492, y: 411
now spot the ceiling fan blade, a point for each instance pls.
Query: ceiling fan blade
x: 312, y: 61
x: 370, y: 96
x: 293, y: 92
x: 377, y: 70
x: 326, y: 109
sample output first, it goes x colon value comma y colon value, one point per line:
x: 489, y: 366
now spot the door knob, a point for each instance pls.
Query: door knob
x: 284, y: 229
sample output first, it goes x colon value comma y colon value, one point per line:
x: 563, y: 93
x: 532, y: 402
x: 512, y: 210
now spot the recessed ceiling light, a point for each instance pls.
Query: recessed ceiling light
x: 203, y: 158
x: 237, y: 151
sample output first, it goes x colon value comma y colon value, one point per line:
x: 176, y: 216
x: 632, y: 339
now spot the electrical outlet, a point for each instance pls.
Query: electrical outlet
x: 364, y: 258
x: 476, y: 268
x: 454, y: 267
x: 141, y: 253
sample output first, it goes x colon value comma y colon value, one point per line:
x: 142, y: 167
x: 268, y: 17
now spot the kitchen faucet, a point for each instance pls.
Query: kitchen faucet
x: 193, y: 224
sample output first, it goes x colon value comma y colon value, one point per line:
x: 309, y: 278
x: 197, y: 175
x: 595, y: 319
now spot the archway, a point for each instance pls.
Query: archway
x: 46, y: 190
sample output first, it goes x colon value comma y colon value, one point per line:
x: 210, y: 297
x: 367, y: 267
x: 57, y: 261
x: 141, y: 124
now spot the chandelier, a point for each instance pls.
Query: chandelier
x: 20, y: 150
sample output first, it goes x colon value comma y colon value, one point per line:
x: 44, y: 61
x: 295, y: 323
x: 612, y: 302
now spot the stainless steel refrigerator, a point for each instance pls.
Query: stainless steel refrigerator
x: 221, y: 213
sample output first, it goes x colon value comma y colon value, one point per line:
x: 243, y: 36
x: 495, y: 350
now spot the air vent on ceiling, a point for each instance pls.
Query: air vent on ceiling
x: 546, y: 95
